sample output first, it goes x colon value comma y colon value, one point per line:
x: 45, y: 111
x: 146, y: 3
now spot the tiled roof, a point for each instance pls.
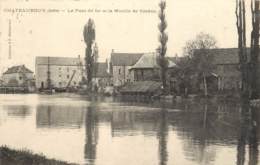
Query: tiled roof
x: 142, y: 86
x: 125, y: 59
x: 64, y: 61
x: 225, y: 55
x: 18, y: 69
x: 102, y: 70
x: 149, y: 61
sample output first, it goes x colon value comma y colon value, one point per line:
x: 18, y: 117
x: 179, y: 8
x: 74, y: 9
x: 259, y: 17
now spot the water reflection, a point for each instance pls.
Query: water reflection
x: 17, y: 110
x: 248, y: 135
x: 100, y: 131
x: 91, y: 122
x: 162, y: 137
x: 58, y: 116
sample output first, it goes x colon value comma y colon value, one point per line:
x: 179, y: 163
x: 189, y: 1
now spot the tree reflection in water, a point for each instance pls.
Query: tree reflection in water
x: 248, y: 135
x: 91, y: 121
x: 163, y: 136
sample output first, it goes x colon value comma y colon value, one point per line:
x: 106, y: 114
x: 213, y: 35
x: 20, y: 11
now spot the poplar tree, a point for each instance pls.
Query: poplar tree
x: 89, y: 38
x: 162, y: 49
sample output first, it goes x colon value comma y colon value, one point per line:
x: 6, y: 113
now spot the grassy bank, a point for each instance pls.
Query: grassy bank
x: 17, y: 157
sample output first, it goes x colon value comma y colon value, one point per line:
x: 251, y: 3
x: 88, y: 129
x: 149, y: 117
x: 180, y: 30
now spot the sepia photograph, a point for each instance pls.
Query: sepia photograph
x: 129, y: 82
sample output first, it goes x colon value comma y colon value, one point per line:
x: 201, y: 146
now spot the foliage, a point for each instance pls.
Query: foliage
x: 198, y: 62
x: 197, y: 50
x: 95, y: 59
x: 11, y: 157
x: 89, y: 38
x: 163, y: 38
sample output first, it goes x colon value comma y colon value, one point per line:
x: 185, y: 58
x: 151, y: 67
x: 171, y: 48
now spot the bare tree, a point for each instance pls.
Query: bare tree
x: 162, y: 49
x: 89, y: 38
x: 253, y: 93
x: 200, y: 60
x: 242, y: 53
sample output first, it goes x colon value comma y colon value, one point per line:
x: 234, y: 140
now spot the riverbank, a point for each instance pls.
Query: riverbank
x: 18, y: 157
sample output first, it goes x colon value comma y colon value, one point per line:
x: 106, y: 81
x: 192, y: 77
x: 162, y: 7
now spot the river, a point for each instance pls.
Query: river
x: 107, y: 131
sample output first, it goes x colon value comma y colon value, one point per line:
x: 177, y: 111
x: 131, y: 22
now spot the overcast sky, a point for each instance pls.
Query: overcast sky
x: 60, y: 34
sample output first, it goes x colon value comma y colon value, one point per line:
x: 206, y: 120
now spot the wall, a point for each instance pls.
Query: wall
x: 229, y: 77
x: 21, y: 78
x: 121, y: 75
x: 59, y: 75
x: 145, y: 74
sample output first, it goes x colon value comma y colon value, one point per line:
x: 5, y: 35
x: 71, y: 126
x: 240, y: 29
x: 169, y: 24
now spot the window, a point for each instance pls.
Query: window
x: 68, y: 76
x: 119, y: 71
x: 60, y: 84
x: 59, y: 68
x: 20, y: 78
x: 60, y: 75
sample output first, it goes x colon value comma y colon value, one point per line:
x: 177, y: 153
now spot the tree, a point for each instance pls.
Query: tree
x: 200, y: 60
x: 95, y: 60
x: 89, y: 38
x: 253, y: 94
x: 248, y: 64
x: 183, y: 73
x: 242, y: 52
x: 162, y: 49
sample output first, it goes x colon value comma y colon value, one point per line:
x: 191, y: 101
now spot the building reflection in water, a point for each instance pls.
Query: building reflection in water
x: 201, y: 128
x: 248, y: 136
x: 18, y: 110
x: 58, y: 116
x: 195, y: 128
x: 91, y: 124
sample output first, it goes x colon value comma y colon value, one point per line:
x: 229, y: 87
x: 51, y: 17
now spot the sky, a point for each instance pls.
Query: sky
x: 61, y: 34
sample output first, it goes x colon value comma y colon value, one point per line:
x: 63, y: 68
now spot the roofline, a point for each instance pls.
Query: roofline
x: 29, y: 70
x: 55, y: 57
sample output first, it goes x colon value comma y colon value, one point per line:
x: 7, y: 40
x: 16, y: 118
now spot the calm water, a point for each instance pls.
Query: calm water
x: 108, y: 132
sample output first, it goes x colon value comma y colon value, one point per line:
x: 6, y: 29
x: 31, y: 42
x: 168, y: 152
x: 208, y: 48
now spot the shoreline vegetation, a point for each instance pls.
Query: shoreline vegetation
x: 25, y: 157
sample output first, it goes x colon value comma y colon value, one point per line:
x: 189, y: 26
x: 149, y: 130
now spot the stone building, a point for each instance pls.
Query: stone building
x: 120, y: 65
x: 17, y: 76
x: 102, y: 78
x: 63, y: 72
x: 147, y: 69
x: 227, y: 73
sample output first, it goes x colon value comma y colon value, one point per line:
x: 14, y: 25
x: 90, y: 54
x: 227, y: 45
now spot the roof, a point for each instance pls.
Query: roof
x: 102, y: 70
x: 125, y: 59
x: 225, y: 55
x: 142, y: 86
x: 18, y: 69
x: 149, y: 60
x: 67, y: 61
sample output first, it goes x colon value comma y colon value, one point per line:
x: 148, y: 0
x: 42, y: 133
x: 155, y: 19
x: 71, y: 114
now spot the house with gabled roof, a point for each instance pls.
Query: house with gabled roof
x: 227, y: 70
x: 147, y: 68
x: 120, y: 65
x: 17, y: 76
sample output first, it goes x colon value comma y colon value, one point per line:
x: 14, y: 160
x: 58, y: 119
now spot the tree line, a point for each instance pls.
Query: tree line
x: 199, y: 64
